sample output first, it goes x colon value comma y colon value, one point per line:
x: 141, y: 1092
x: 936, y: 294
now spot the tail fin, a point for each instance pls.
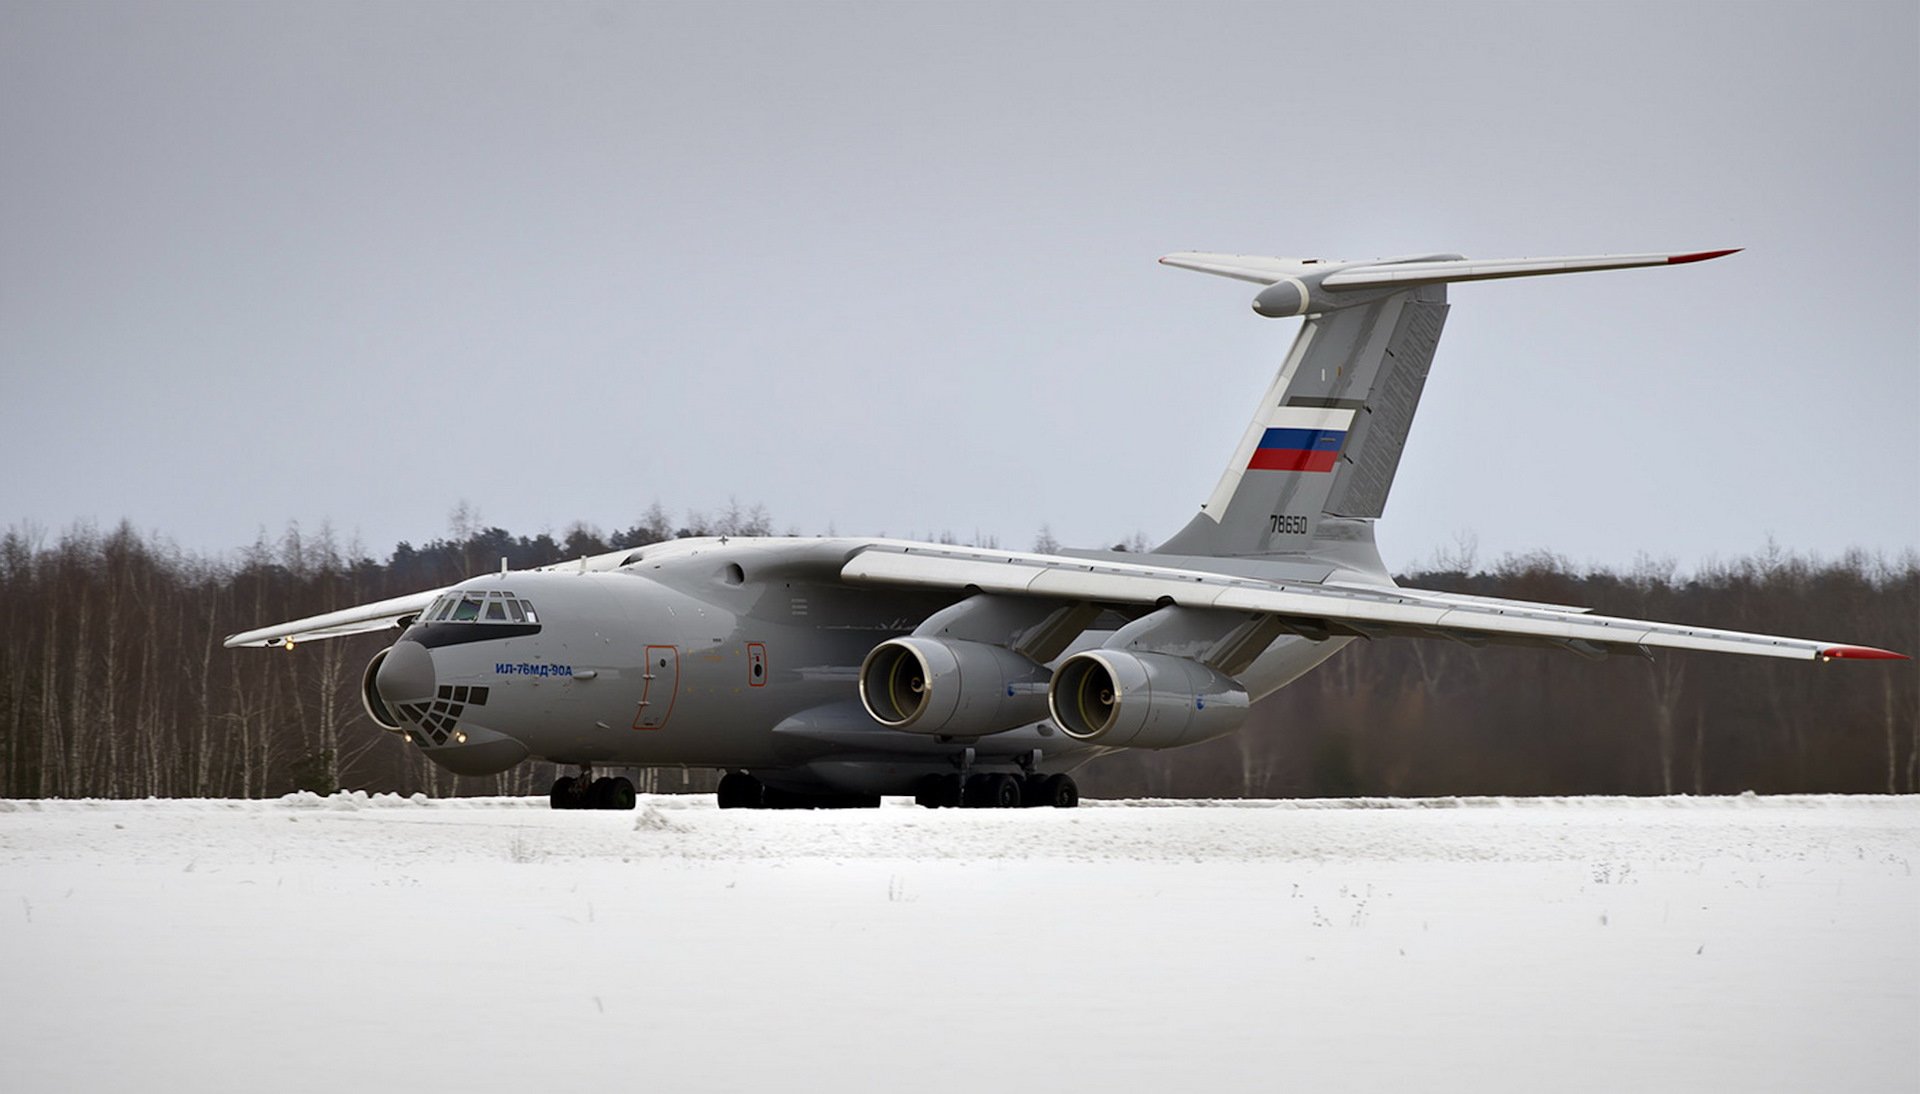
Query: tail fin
x: 1318, y: 460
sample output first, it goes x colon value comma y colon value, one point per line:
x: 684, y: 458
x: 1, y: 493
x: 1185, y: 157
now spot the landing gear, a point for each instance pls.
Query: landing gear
x: 739, y: 790
x: 1058, y: 791
x: 583, y: 791
x: 938, y: 792
x: 997, y: 791
x: 614, y: 793
x: 993, y: 792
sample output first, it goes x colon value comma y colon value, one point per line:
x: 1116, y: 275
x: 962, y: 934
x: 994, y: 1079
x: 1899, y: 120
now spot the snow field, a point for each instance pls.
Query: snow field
x: 489, y: 944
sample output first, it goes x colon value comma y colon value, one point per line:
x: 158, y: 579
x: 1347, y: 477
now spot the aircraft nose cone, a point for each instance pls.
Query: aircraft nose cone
x: 406, y: 675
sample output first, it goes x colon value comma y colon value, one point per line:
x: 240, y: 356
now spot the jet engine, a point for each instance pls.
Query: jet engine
x: 1143, y: 700
x: 370, y: 696
x: 960, y: 689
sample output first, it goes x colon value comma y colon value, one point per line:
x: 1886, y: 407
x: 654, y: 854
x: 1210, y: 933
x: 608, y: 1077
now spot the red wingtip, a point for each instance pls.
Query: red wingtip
x: 1861, y: 653
x: 1701, y: 256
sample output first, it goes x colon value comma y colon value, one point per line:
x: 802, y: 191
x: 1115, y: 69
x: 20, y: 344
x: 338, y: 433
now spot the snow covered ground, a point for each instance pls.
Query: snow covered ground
x: 391, y: 944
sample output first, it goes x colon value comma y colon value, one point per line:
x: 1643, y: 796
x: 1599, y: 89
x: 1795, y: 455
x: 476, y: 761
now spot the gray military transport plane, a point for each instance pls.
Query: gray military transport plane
x: 834, y: 671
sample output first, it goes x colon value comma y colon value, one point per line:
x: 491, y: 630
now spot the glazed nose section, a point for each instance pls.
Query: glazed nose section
x: 406, y: 675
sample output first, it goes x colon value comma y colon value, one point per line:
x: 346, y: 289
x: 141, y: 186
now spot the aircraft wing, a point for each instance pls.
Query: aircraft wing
x: 1349, y: 609
x: 379, y: 615
x: 383, y: 614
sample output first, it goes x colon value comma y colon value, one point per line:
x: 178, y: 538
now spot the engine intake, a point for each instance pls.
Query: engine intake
x: 960, y: 689
x: 1143, y: 700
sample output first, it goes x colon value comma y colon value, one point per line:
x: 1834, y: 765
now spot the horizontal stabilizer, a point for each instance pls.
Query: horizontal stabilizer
x: 1298, y: 286
x: 1467, y: 269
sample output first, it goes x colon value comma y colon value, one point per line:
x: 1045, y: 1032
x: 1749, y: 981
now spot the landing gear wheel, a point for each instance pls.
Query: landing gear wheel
x: 1058, y: 791
x: 993, y: 792
x: 973, y: 792
x: 1003, y: 792
x: 600, y: 794
x: 926, y: 793
x: 938, y: 792
x: 739, y: 790
x: 562, y: 795
x: 618, y: 793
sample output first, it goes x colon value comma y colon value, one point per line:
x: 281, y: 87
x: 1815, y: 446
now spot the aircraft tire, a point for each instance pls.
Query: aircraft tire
x: 599, y: 794
x: 973, y: 792
x: 926, y: 793
x: 562, y: 795
x: 993, y: 792
x: 951, y: 794
x: 619, y: 794
x: 1058, y: 791
x: 739, y: 790
x: 938, y: 792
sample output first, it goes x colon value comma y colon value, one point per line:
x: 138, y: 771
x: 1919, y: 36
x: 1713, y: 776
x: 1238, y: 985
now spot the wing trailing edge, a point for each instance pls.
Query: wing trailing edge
x: 1368, y: 610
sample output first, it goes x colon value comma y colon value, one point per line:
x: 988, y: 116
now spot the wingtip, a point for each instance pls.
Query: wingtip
x: 1860, y: 653
x: 1701, y: 256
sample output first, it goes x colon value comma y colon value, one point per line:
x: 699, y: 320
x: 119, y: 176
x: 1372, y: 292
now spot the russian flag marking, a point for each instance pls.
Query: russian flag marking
x: 1298, y: 450
x: 1301, y: 439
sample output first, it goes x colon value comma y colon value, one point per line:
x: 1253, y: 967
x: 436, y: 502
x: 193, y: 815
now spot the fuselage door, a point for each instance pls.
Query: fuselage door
x: 662, y: 684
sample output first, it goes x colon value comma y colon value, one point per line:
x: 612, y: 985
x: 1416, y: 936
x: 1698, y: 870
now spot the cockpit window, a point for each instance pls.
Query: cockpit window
x: 479, y: 607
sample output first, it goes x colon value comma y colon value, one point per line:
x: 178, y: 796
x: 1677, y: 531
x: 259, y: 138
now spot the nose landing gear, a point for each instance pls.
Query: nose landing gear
x: 583, y: 791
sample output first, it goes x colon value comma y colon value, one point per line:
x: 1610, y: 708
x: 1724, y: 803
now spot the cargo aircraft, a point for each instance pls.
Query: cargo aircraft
x: 830, y: 672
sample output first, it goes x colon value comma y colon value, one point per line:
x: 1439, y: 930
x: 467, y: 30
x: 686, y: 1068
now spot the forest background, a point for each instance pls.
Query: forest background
x: 113, y: 682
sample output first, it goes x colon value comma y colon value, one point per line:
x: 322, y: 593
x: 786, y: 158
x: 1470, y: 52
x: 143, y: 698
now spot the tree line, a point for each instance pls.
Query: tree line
x: 113, y: 682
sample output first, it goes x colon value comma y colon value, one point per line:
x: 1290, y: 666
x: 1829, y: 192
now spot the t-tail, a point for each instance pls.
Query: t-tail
x: 1316, y: 464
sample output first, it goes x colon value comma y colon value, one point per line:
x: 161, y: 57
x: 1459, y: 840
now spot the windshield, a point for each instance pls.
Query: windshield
x: 479, y: 607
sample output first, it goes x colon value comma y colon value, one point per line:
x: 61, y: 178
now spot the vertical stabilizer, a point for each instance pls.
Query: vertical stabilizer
x: 1316, y: 464
x: 1327, y: 437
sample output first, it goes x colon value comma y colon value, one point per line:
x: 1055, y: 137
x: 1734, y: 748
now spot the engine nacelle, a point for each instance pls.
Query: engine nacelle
x: 960, y: 689
x: 376, y: 707
x: 1143, y: 700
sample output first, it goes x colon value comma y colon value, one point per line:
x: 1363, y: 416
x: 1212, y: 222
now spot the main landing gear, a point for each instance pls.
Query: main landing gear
x: 739, y: 790
x: 997, y: 791
x: 583, y: 791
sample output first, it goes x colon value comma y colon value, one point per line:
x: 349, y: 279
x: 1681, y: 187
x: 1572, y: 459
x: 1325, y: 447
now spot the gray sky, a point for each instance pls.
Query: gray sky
x: 890, y: 268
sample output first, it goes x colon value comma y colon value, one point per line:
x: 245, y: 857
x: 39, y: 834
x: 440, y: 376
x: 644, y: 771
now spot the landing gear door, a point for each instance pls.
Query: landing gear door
x: 662, y: 683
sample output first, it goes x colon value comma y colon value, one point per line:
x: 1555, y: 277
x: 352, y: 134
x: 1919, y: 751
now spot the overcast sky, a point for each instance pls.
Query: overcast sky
x: 890, y: 268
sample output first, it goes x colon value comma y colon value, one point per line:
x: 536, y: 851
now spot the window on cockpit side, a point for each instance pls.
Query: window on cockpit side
x: 440, y: 609
x: 467, y: 612
x: 513, y: 609
x: 496, y: 612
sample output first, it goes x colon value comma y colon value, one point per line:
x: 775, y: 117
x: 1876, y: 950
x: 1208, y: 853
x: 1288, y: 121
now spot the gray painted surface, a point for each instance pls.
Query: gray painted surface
x: 869, y: 666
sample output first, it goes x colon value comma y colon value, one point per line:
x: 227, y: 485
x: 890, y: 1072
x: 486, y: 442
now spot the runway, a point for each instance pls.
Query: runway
x: 1453, y: 944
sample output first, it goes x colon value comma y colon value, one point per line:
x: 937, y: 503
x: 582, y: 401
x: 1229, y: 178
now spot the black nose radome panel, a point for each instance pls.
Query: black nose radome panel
x: 406, y: 675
